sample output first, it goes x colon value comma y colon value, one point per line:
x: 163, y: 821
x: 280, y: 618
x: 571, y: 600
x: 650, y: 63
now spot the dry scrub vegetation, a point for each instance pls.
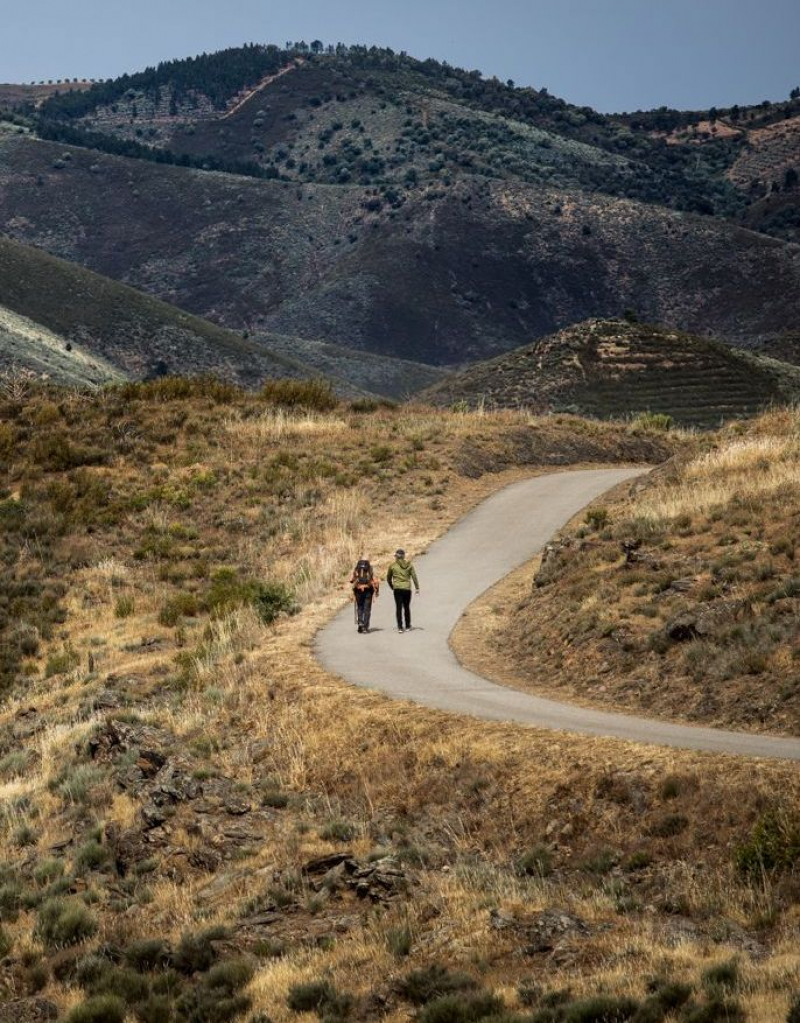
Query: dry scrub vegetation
x: 681, y: 598
x: 197, y: 823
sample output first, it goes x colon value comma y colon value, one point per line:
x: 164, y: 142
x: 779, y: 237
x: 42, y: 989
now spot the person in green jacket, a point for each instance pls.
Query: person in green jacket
x: 400, y: 576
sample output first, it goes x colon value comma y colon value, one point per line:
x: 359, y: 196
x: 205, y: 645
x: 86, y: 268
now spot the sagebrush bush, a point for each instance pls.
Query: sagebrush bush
x: 315, y: 395
x: 61, y: 662
x: 272, y: 599
x: 176, y: 607
x: 721, y: 976
x: 147, y: 954
x: 462, y: 1007
x: 536, y: 862
x: 429, y: 982
x: 64, y: 922
x: 169, y: 388
x: 102, y: 1009
x: 196, y: 953
x: 716, y: 1010
x: 652, y: 422
x: 310, y: 996
x: 124, y: 606
x: 773, y: 845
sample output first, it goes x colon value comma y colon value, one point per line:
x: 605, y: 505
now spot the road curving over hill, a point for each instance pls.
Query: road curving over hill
x: 498, y: 536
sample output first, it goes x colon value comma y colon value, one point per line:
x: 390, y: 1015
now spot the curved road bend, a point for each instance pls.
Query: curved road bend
x: 498, y: 536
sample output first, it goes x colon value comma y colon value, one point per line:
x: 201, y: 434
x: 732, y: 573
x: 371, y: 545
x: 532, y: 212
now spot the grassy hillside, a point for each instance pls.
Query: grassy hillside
x: 198, y: 823
x: 460, y: 273
x: 27, y: 346
x: 132, y: 331
x: 677, y: 599
x: 613, y: 369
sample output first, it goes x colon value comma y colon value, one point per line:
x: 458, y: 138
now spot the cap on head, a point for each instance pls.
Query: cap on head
x: 399, y: 553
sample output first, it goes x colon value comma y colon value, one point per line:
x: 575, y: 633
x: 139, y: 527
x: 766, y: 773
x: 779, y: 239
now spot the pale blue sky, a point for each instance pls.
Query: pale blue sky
x: 609, y: 54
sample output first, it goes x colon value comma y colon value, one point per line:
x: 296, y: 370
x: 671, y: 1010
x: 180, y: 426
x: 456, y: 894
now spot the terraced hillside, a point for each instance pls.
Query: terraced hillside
x: 459, y: 273
x: 608, y: 369
x: 118, y: 325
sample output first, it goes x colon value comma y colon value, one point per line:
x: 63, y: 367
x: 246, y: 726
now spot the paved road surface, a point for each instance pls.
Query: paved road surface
x: 498, y: 536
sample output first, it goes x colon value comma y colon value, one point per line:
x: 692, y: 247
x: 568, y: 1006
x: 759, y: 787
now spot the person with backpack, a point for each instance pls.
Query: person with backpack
x: 365, y: 588
x: 400, y: 576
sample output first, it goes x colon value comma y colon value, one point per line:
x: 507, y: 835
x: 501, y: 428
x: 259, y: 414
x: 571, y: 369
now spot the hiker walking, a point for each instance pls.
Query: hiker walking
x: 365, y: 587
x: 400, y: 576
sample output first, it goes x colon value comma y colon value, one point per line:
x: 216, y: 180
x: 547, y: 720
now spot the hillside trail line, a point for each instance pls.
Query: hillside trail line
x: 248, y: 95
x: 502, y: 533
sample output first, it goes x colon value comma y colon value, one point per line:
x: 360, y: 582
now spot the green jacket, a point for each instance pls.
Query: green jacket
x: 401, y: 574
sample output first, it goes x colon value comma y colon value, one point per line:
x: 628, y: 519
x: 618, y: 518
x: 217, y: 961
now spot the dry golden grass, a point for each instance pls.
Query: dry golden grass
x: 463, y: 799
x: 749, y: 470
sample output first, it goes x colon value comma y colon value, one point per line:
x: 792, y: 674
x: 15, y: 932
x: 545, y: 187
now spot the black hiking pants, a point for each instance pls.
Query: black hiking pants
x: 402, y: 603
x: 363, y: 607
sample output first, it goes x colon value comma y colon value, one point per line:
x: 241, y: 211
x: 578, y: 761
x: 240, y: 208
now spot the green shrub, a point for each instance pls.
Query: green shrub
x: 461, y: 1008
x: 273, y: 599
x: 597, y: 518
x: 155, y: 1009
x: 536, y: 862
x: 64, y: 922
x: 122, y: 981
x: 716, y: 1010
x: 91, y: 855
x: 601, y: 1009
x: 14, y: 764
x: 74, y: 783
x: 423, y: 985
x: 196, y: 952
x: 61, y: 663
x: 11, y: 896
x: 23, y: 836
x: 228, y: 591
x: 124, y: 606
x: 147, y: 954
x: 170, y: 388
x: 599, y: 861
x: 399, y: 941
x: 721, y: 977
x: 6, y: 943
x: 36, y: 977
x: 652, y: 422
x: 103, y: 1009
x: 794, y: 1011
x: 380, y: 453
x: 668, y: 825
x: 180, y: 605
x: 773, y: 845
x: 48, y: 871
x: 316, y: 395
x: 229, y: 976
x: 311, y: 996
x: 337, y: 831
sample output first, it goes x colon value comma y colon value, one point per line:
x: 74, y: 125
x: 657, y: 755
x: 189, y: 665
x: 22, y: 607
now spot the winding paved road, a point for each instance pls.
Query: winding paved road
x: 501, y: 534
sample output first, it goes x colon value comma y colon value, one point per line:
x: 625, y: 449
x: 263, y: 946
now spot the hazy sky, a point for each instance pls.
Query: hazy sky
x: 609, y: 54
